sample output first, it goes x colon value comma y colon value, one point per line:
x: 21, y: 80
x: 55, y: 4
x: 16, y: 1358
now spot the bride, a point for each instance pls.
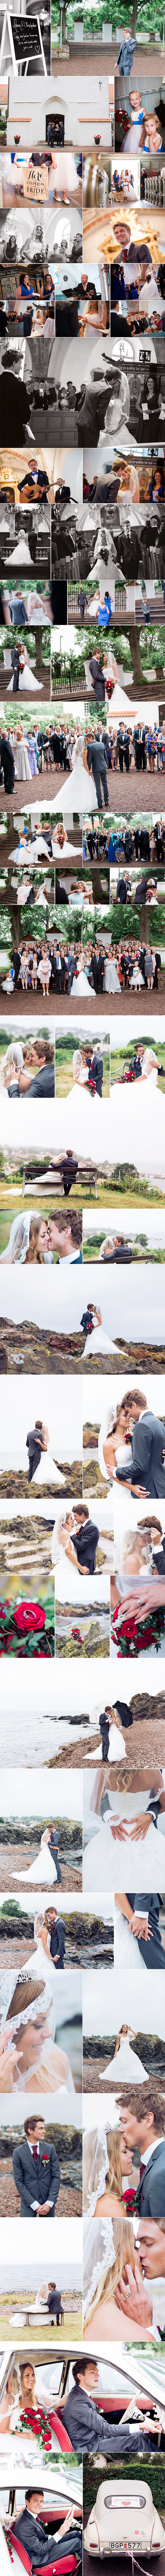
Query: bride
x: 130, y: 1817
x: 42, y: 1870
x: 28, y: 1239
x: 108, y: 2248
x: 81, y: 977
x: 97, y: 1340
x: 125, y: 2063
x: 139, y: 1124
x: 74, y: 790
x: 105, y: 2158
x: 26, y: 676
x: 28, y: 2022
x: 111, y: 1446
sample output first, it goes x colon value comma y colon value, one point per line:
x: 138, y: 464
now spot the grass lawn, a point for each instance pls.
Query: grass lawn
x: 70, y: 2332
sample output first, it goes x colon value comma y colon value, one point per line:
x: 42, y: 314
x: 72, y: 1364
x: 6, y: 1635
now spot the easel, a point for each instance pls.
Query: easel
x: 23, y: 58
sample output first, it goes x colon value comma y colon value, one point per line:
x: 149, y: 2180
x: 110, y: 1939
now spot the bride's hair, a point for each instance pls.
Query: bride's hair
x: 11, y: 1057
x: 123, y: 2251
x: 26, y: 1992
x: 114, y: 2178
x: 39, y: 1920
x: 33, y: 1253
x: 108, y: 2272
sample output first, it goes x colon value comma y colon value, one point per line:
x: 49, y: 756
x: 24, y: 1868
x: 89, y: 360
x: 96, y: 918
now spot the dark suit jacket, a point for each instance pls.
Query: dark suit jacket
x: 58, y: 1941
x: 36, y: 2182
x: 33, y: 2538
x: 85, y: 1546
x: 147, y: 1444
x: 97, y: 1073
x: 43, y: 1085
x: 151, y: 2188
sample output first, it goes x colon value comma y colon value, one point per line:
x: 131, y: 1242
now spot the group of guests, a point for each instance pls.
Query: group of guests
x: 136, y: 747
x: 31, y: 964
x: 105, y: 969
x: 30, y: 307
x: 24, y: 751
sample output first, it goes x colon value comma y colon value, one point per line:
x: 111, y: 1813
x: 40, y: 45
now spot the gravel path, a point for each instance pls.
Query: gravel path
x: 92, y: 2077
x: 150, y: 785
x: 60, y: 1003
x: 145, y: 1741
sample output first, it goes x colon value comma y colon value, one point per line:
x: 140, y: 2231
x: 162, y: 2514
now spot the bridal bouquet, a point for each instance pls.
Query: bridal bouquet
x: 136, y: 1637
x: 35, y: 2421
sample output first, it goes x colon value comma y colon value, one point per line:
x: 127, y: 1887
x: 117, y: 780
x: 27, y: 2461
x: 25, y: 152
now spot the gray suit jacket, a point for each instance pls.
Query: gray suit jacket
x: 36, y: 2182
x: 151, y: 2189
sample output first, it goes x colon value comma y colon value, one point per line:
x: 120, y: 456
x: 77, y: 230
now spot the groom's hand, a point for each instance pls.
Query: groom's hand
x: 45, y: 2210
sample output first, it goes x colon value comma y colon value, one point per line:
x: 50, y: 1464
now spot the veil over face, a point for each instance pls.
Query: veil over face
x: 20, y: 1236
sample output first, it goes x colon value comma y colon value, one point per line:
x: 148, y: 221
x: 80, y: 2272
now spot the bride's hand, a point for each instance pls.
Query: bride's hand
x: 140, y: 1828
x: 140, y: 1927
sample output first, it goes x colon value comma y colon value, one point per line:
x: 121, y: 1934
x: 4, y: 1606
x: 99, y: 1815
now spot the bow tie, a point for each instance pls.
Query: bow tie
x: 35, y: 2153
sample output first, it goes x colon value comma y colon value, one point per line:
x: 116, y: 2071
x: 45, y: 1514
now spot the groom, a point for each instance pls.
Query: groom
x: 148, y: 1454
x: 57, y: 1929
x: 53, y: 1848
x: 87, y: 1319
x: 36, y: 2171
x: 85, y: 1540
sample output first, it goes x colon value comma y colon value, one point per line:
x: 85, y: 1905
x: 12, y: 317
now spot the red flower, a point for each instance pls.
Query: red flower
x: 29, y: 1615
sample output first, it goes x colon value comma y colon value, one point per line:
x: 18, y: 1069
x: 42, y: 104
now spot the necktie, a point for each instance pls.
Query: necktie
x: 142, y: 2170
x: 35, y: 2153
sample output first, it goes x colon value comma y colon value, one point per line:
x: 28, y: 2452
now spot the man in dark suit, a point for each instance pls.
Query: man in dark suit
x: 87, y: 2428
x: 144, y: 2128
x: 96, y: 1069
x: 140, y: 891
x: 97, y: 761
x: 122, y: 889
x: 53, y: 1848
x: 86, y: 1319
x: 7, y: 764
x: 16, y: 961
x: 33, y: 1444
x: 148, y: 1454
x: 57, y: 1929
x: 30, y: 2530
x: 97, y: 677
x: 36, y: 2171
x: 85, y: 1541
x: 97, y: 964
x: 104, y: 1731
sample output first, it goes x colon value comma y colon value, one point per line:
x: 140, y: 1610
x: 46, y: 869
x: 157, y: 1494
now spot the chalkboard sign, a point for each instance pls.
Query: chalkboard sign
x: 26, y: 38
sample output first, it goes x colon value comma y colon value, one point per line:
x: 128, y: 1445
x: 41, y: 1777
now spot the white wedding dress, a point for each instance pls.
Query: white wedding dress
x: 78, y: 793
x: 98, y: 1341
x: 126, y: 1950
x: 26, y: 681
x: 81, y: 984
x: 126, y: 2067
x: 42, y: 1870
x: 138, y: 1125
x: 20, y: 554
x: 111, y: 1859
x: 47, y: 1473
